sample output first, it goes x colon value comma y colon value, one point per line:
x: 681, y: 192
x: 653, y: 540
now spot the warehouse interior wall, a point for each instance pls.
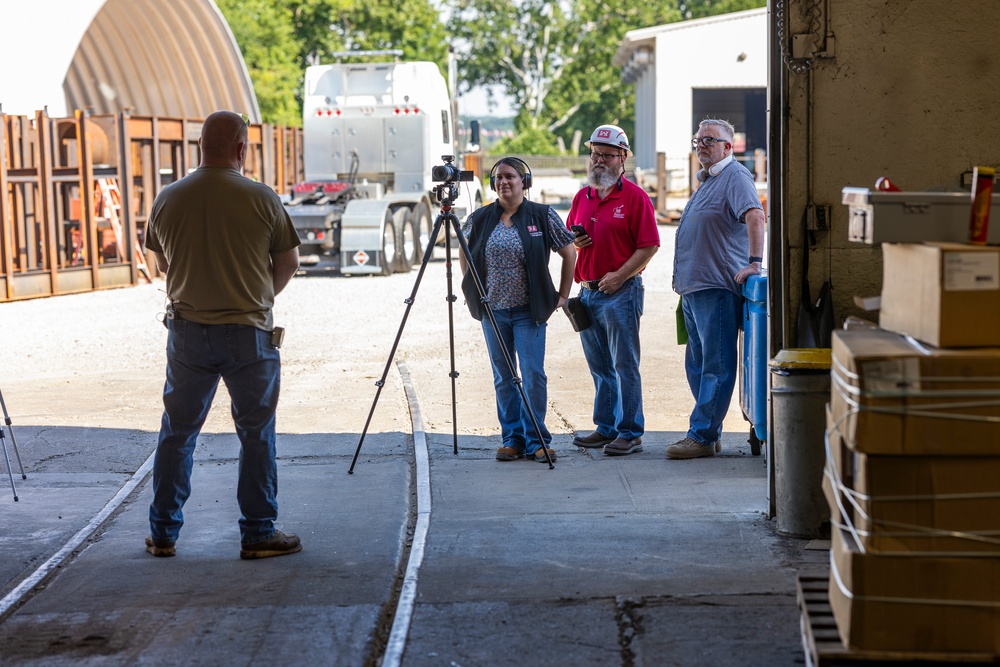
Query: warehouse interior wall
x: 866, y: 88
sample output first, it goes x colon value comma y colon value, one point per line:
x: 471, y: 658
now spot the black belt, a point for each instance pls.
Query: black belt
x: 594, y: 285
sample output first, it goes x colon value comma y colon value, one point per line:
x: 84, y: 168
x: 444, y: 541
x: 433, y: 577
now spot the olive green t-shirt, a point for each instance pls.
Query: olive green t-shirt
x: 217, y: 230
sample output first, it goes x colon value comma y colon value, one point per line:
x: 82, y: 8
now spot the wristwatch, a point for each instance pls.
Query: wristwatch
x: 756, y: 259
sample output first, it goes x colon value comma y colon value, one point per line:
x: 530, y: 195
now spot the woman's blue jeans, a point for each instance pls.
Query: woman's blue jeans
x: 712, y: 318
x: 525, y: 343
x: 197, y: 356
x: 611, y: 346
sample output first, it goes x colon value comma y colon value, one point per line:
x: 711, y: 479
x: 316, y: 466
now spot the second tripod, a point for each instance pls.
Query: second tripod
x: 3, y: 444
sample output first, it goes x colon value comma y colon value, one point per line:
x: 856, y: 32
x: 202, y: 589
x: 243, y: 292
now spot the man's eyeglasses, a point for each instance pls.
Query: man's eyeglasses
x: 706, y: 141
x: 606, y: 157
x: 246, y: 123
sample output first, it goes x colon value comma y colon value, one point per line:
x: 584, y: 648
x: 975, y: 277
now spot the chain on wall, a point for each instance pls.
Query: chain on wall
x: 812, y: 14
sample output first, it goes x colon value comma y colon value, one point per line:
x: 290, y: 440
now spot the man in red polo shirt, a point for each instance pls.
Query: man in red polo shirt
x: 617, y: 240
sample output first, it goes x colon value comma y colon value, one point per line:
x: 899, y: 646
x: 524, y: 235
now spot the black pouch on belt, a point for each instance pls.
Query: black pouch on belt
x: 577, y: 313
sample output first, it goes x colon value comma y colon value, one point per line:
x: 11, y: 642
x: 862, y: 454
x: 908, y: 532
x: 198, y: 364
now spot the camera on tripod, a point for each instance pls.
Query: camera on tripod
x: 448, y: 172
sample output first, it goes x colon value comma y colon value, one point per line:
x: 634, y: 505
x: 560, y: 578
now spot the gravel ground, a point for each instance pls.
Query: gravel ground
x: 95, y: 361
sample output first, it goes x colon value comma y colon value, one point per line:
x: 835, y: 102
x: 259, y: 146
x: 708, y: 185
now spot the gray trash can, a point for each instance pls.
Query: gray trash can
x: 800, y: 389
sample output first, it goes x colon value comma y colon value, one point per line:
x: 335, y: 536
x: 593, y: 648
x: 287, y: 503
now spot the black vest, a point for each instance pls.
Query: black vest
x: 542, y: 293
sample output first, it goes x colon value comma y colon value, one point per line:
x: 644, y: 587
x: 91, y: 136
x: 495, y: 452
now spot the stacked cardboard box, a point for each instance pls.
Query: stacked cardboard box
x: 913, y: 461
x: 945, y: 294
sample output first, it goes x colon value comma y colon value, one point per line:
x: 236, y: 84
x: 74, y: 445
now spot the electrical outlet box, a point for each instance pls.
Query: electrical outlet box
x: 818, y: 217
x: 803, y: 46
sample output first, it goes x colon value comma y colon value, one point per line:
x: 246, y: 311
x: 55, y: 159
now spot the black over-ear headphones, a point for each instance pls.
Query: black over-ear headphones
x: 525, y: 180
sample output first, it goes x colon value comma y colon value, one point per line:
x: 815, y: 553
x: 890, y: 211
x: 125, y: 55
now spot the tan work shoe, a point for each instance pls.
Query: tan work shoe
x: 278, y: 544
x: 509, y: 454
x: 539, y: 455
x: 160, y: 548
x: 690, y: 449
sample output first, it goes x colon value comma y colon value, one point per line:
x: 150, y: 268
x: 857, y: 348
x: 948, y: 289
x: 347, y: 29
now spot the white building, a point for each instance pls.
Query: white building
x: 684, y: 72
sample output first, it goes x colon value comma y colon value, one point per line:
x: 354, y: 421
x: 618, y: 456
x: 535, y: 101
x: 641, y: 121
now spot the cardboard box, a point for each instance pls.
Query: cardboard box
x: 838, y: 474
x: 889, y: 602
x: 945, y: 294
x: 895, y: 395
x: 914, y: 504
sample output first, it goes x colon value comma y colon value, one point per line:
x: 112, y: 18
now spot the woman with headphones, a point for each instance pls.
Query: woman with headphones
x: 510, y: 241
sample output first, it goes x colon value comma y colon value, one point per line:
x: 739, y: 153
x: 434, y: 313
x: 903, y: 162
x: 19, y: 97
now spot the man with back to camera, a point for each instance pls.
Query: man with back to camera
x: 617, y: 240
x: 718, y: 245
x: 227, y: 247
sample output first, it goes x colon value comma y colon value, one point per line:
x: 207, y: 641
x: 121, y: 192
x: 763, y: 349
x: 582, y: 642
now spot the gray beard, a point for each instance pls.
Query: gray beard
x: 602, y: 181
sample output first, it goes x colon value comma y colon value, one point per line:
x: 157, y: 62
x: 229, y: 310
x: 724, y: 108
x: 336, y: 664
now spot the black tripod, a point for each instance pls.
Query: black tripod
x: 447, y: 192
x: 3, y: 443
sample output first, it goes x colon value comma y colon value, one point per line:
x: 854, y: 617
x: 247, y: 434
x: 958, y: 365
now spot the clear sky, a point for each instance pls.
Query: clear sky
x: 473, y: 104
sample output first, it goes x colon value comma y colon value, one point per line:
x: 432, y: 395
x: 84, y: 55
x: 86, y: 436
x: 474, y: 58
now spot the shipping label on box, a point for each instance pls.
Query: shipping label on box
x: 971, y: 271
x: 894, y: 395
x: 945, y: 294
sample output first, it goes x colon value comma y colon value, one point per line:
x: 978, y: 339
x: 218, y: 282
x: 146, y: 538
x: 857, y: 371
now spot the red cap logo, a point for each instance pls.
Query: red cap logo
x: 604, y: 134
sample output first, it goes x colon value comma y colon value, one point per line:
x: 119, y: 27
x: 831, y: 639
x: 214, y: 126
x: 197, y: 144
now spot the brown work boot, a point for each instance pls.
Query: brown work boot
x: 278, y: 544
x: 595, y: 439
x: 690, y: 449
x: 620, y: 446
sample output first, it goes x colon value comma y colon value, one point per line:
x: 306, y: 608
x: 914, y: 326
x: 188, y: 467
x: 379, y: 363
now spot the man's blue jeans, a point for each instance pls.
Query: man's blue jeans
x: 712, y: 318
x: 611, y: 346
x: 197, y: 356
x: 525, y: 343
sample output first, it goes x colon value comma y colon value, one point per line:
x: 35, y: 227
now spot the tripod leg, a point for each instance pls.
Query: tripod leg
x: 10, y: 471
x: 17, y: 454
x: 392, y: 353
x: 506, y: 355
x: 451, y: 326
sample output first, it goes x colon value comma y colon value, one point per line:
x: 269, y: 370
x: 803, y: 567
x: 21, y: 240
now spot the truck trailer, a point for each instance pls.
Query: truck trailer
x: 372, y: 133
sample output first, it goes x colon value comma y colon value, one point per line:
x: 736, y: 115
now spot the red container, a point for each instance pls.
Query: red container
x: 982, y: 194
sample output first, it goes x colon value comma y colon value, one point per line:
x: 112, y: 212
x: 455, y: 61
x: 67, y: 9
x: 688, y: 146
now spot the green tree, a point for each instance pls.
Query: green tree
x: 279, y: 38
x: 554, y: 59
x: 313, y: 24
x: 413, y: 26
x: 591, y: 91
x: 534, y: 141
x: 264, y: 33
x: 522, y: 46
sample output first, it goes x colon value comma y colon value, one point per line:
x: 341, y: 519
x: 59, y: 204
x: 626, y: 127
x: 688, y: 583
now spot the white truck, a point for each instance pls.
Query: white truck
x: 372, y: 133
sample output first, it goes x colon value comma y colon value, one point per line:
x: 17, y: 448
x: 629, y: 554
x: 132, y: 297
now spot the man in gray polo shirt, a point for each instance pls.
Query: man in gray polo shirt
x: 719, y: 244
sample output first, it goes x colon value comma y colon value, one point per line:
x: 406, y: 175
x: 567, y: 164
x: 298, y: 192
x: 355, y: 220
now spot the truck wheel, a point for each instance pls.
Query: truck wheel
x: 407, y: 238
x: 389, y: 248
x: 422, y: 216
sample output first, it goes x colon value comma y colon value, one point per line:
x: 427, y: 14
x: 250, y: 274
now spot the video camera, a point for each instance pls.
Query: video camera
x: 448, y: 172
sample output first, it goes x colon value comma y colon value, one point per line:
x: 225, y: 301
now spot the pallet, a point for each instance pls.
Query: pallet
x: 823, y: 647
